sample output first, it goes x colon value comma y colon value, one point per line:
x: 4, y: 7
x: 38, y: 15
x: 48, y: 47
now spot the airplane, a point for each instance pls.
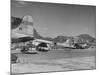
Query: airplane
x: 24, y: 33
x: 67, y: 44
x: 73, y: 45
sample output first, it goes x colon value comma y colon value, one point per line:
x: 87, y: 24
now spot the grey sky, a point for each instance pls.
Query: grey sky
x: 57, y: 19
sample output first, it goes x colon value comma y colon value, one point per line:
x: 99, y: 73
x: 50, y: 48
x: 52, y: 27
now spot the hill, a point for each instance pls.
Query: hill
x: 82, y: 38
x: 15, y: 22
x: 86, y: 38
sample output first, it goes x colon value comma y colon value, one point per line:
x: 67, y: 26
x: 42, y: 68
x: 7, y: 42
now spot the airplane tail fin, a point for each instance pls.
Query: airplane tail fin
x: 25, y: 27
x: 27, y: 20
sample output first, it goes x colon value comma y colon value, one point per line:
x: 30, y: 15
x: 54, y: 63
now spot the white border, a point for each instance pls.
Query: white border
x: 81, y: 2
x: 5, y: 36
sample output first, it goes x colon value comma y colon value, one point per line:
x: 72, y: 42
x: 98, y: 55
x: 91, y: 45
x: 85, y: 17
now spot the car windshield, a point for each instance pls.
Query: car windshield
x: 42, y: 45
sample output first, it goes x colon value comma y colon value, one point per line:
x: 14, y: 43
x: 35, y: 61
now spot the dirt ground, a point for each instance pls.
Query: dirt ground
x: 55, y: 60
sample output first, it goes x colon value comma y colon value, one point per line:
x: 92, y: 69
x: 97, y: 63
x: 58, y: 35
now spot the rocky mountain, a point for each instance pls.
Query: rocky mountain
x: 15, y: 22
x: 82, y: 38
x: 86, y: 38
x: 61, y: 39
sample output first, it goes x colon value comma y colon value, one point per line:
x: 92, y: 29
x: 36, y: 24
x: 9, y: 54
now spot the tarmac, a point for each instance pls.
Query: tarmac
x: 54, y: 61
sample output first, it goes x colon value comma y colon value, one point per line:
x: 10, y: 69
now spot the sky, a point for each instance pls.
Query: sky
x: 51, y: 20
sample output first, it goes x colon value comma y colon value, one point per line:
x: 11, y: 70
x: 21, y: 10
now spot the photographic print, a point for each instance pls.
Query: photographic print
x: 52, y: 37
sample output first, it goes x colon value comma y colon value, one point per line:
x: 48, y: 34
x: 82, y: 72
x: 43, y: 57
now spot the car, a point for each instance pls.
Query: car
x: 81, y: 45
x: 43, y: 47
x: 24, y: 49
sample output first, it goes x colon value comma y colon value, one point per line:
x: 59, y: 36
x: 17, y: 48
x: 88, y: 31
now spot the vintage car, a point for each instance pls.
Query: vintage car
x: 43, y: 47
